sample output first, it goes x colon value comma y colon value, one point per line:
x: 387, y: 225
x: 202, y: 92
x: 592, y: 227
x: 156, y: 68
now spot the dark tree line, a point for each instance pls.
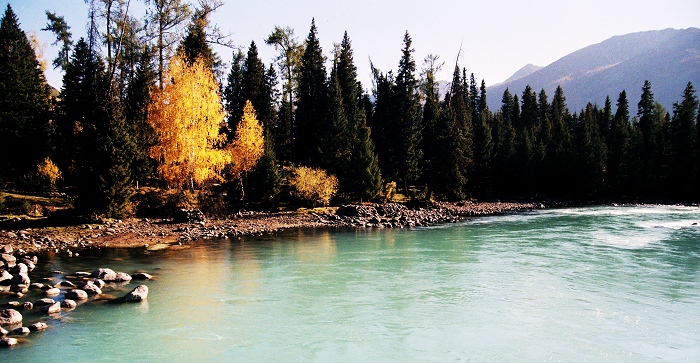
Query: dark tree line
x: 446, y: 148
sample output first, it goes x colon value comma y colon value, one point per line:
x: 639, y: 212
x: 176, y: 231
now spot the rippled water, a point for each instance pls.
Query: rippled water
x: 586, y: 284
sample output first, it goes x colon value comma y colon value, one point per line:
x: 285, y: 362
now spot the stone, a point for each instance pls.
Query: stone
x: 14, y: 304
x: 122, y: 277
x: 45, y: 301
x: 52, y: 309
x: 27, y: 306
x: 36, y: 286
x: 10, y: 317
x: 91, y: 288
x: 5, y: 278
x: 20, y: 279
x: 7, y: 249
x: 141, y: 276
x: 8, y: 342
x: 3, y: 332
x: 40, y: 326
x: 29, y: 263
x: 20, y: 268
x: 99, y: 283
x: 54, y: 291
x: 10, y: 260
x: 66, y: 284
x: 77, y: 294
x: 105, y: 274
x: 139, y: 293
x: 21, y: 331
x: 68, y: 304
x: 82, y: 274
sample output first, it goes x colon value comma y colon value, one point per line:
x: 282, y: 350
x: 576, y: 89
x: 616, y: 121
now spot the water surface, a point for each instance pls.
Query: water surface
x: 584, y: 284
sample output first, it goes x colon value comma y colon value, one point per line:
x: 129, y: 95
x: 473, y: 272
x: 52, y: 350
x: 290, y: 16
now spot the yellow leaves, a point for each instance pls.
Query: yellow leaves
x: 249, y: 144
x: 187, y: 115
x: 313, y: 185
x: 49, y: 171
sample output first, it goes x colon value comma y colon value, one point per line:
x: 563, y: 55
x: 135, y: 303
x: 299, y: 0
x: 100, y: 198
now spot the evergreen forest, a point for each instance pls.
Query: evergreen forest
x: 148, y: 115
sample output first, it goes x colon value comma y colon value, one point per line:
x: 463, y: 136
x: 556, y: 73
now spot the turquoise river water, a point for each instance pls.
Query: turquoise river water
x: 593, y: 284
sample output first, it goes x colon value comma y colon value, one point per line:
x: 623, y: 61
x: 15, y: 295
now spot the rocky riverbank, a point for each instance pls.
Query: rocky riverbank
x: 190, y: 225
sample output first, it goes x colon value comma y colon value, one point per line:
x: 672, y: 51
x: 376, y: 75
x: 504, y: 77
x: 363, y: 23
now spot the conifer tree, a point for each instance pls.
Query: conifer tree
x: 618, y: 145
x: 684, y: 172
x: 430, y: 142
x: 559, y: 152
x: 138, y: 97
x: 408, y: 119
x: 57, y: 25
x: 383, y: 123
x: 311, y: 100
x: 651, y: 120
x: 481, y: 174
x: 24, y: 102
x: 233, y: 94
x: 195, y: 46
x: 591, y: 151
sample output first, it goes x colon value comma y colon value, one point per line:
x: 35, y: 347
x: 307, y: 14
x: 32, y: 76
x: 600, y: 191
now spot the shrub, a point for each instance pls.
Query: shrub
x: 313, y: 185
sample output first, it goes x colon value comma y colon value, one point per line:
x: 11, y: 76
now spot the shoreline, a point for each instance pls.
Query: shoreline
x: 154, y: 234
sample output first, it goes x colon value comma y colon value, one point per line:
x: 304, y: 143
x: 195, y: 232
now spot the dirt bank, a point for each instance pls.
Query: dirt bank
x: 156, y: 234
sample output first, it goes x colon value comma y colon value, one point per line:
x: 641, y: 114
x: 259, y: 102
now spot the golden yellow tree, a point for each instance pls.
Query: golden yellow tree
x: 248, y: 146
x: 187, y: 115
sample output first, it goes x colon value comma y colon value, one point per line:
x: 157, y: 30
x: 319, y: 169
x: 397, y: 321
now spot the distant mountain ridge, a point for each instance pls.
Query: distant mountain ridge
x: 668, y: 58
x: 523, y: 72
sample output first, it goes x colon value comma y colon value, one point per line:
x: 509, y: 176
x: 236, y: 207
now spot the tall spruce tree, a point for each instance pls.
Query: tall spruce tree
x: 591, y: 154
x: 482, y: 172
x: 363, y: 179
x: 408, y: 119
x: 432, y: 131
x: 311, y: 100
x: 98, y: 148
x: 194, y: 45
x: 558, y: 170
x: 684, y: 140
x: 24, y: 102
x: 651, y: 121
x: 618, y: 146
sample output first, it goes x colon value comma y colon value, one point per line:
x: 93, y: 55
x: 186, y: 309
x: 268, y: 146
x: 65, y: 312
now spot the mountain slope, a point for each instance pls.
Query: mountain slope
x: 523, y: 72
x: 668, y: 58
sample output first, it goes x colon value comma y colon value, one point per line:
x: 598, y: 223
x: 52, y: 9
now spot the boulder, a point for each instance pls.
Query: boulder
x: 36, y: 286
x: 27, y: 306
x: 8, y: 342
x: 77, y: 294
x: 7, y: 249
x: 99, y: 283
x: 122, y: 277
x: 52, y: 309
x: 54, y: 291
x: 9, y: 260
x: 83, y: 274
x: 10, y: 317
x: 139, y: 293
x: 68, y: 304
x: 40, y: 326
x: 22, y: 330
x: 29, y: 263
x: 188, y: 216
x: 5, y: 278
x: 105, y: 274
x: 20, y: 268
x: 91, y: 288
x: 66, y: 284
x: 20, y: 279
x: 141, y: 276
x: 3, y: 332
x: 45, y: 301
x: 14, y: 304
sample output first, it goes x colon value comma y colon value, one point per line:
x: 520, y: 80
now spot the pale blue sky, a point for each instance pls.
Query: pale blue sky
x: 497, y: 37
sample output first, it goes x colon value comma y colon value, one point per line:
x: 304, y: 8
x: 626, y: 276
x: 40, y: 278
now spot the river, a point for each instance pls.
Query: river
x: 579, y: 284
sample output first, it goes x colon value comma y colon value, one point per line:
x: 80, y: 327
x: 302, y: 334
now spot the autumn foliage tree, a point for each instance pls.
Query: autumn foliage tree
x: 248, y: 146
x: 187, y: 115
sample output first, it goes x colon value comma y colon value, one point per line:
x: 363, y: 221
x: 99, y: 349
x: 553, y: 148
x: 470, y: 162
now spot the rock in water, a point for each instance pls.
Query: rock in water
x: 55, y: 291
x: 52, y: 309
x: 8, y: 342
x: 91, y: 288
x: 44, y: 302
x: 122, y: 277
x: 20, y: 279
x: 10, y: 317
x: 69, y: 304
x: 106, y: 274
x: 77, y: 294
x: 139, y: 293
x: 141, y: 276
x: 21, y: 331
x: 40, y: 326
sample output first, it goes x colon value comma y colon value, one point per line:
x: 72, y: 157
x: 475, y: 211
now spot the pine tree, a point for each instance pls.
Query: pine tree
x: 618, y: 145
x: 408, y: 119
x: 24, y: 102
x: 558, y: 174
x: 233, y: 94
x: 430, y: 142
x: 591, y: 154
x: 361, y: 177
x: 195, y: 46
x: 57, y: 25
x: 684, y: 172
x: 482, y: 172
x: 138, y: 97
x: 651, y: 127
x: 382, y: 124
x: 98, y: 148
x: 311, y: 100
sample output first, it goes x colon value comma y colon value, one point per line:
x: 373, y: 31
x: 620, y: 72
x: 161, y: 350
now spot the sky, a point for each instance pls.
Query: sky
x: 496, y: 38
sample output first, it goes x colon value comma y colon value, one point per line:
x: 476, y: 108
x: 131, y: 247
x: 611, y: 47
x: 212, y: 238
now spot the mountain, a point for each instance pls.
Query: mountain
x: 668, y: 58
x: 523, y: 72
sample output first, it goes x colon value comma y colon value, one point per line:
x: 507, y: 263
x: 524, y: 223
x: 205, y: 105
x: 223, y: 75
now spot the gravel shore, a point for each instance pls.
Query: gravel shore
x: 157, y: 234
